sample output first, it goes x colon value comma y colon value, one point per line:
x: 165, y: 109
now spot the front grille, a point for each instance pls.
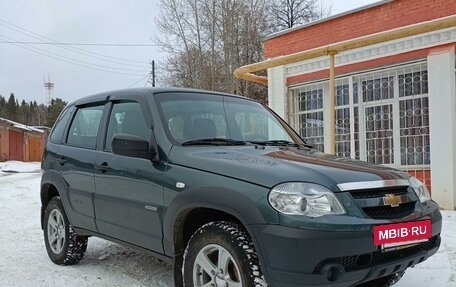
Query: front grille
x: 388, y: 212
x: 378, y: 192
x: 351, y: 263
x: 371, y: 202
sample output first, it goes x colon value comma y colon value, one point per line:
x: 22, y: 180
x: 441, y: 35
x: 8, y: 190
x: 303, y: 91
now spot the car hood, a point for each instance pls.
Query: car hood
x: 269, y: 166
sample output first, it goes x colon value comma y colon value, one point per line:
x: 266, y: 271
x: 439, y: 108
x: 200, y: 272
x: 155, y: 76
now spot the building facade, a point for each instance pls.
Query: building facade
x: 395, y: 102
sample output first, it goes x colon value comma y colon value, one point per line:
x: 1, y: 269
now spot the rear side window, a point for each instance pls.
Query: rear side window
x: 59, y: 127
x: 84, y: 127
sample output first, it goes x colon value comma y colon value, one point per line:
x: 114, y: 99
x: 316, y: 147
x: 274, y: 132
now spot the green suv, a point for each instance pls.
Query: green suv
x: 224, y: 189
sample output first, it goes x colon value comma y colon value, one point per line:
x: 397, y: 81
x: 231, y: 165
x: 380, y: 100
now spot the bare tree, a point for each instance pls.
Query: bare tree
x: 284, y: 14
x: 206, y: 40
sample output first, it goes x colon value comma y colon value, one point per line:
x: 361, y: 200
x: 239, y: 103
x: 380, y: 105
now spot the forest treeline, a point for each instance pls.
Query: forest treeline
x: 30, y: 113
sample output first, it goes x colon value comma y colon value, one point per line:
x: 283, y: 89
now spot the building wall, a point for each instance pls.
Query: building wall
x: 429, y: 56
x: 442, y: 105
x: 388, y: 16
x: 4, y: 143
x: 356, y: 67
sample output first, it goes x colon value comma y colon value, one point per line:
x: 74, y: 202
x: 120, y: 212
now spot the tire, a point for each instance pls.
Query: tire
x: 239, y: 265
x: 384, y: 281
x: 63, y: 245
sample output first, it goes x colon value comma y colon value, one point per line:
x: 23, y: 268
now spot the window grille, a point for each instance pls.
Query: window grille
x: 342, y: 118
x: 381, y: 117
x: 309, y: 101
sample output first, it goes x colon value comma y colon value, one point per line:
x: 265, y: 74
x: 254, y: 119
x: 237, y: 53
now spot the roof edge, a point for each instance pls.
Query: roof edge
x: 319, y: 21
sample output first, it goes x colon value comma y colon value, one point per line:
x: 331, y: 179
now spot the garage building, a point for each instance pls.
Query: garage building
x: 20, y: 142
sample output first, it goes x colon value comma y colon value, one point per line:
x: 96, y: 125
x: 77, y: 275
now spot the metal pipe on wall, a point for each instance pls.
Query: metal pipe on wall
x: 331, y: 103
x: 247, y: 72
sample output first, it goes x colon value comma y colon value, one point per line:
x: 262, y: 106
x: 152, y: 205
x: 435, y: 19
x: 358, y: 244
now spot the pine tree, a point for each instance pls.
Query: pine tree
x: 11, y: 108
x: 23, y: 113
x: 2, y: 107
x: 54, y: 110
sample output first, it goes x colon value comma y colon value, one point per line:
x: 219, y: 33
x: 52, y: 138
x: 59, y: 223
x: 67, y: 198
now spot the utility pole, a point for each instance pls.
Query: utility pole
x: 152, y: 74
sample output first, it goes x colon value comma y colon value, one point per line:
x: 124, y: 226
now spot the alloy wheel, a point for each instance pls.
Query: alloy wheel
x: 56, y: 231
x: 215, y: 267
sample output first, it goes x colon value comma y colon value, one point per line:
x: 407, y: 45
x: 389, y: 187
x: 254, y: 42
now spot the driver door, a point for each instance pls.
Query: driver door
x: 129, y: 194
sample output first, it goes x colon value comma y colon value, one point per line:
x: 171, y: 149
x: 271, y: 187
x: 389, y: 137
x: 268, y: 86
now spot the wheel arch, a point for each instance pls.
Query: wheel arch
x: 48, y: 192
x: 194, y: 208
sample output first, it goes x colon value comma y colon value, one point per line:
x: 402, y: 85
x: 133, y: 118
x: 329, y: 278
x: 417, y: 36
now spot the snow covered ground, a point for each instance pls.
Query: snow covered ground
x: 24, y: 262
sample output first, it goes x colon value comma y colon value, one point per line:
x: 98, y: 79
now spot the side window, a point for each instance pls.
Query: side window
x: 59, y: 127
x: 84, y: 128
x: 126, y: 118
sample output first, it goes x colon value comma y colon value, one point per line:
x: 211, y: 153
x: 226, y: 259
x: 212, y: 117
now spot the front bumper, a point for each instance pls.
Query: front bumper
x: 293, y: 257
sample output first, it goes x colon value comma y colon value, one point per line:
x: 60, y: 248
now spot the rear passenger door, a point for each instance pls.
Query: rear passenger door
x: 76, y: 161
x: 129, y: 195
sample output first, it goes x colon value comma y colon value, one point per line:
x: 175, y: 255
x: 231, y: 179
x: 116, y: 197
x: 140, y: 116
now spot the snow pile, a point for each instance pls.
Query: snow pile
x: 19, y: 166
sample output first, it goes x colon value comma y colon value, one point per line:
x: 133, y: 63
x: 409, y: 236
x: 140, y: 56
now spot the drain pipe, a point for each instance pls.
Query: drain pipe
x: 331, y: 104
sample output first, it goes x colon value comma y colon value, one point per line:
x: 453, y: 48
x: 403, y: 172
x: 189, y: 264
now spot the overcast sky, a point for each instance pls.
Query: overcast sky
x: 76, y: 74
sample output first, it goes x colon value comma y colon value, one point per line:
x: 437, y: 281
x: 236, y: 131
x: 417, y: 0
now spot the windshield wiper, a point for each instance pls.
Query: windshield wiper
x: 280, y: 143
x: 213, y: 141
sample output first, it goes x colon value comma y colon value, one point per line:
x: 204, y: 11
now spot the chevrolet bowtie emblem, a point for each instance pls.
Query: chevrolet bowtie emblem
x: 391, y: 199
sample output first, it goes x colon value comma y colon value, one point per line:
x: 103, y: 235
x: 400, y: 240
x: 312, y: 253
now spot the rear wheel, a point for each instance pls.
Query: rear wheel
x: 384, y: 281
x: 63, y: 245
x: 221, y: 254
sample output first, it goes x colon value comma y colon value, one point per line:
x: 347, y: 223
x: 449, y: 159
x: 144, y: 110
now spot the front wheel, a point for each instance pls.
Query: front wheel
x: 221, y: 254
x: 63, y: 245
x: 384, y: 281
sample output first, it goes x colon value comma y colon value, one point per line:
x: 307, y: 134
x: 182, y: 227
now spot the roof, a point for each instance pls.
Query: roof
x: 100, y: 97
x: 319, y: 21
x: 22, y: 126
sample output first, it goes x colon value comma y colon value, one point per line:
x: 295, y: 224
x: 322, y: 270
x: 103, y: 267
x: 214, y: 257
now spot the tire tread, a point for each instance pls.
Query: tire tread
x: 239, y: 237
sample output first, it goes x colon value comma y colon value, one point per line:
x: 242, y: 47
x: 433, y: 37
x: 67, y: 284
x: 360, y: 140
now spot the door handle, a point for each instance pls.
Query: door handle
x: 62, y: 161
x: 104, y: 167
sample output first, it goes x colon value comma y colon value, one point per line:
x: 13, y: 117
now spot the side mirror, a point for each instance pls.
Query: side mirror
x: 131, y: 145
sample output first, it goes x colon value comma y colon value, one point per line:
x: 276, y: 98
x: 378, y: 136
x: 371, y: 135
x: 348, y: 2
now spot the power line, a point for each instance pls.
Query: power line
x: 72, y: 59
x: 69, y: 48
x: 81, y: 44
x: 44, y: 53
x: 49, y: 41
x: 142, y: 79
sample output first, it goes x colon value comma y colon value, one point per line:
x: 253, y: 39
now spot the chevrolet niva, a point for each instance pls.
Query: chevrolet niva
x: 224, y: 189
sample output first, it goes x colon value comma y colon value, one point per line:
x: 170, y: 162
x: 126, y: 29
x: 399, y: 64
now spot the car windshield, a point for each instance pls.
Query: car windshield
x: 204, y: 119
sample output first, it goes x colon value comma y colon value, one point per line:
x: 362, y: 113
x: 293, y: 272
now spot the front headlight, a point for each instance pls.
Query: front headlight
x: 300, y: 198
x: 420, y: 189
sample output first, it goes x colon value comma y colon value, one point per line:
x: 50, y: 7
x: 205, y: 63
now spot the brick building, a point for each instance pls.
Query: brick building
x: 20, y: 142
x: 395, y: 101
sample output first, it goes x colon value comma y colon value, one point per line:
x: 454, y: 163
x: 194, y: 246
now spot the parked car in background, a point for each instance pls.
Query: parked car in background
x: 224, y: 189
